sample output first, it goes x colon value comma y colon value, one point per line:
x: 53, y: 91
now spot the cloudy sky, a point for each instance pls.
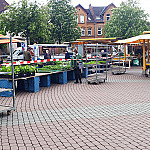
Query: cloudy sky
x: 144, y: 4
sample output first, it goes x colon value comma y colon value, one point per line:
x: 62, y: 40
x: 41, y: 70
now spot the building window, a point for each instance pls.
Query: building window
x: 89, y: 32
x: 89, y: 18
x: 97, y: 17
x: 99, y: 31
x: 82, y: 31
x: 81, y: 19
x: 107, y: 17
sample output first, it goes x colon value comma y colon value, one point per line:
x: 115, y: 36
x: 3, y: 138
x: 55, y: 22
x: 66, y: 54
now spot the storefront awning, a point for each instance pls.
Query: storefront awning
x: 6, y: 40
x: 137, y: 39
x: 100, y: 40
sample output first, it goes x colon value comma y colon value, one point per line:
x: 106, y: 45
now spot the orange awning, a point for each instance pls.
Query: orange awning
x: 6, y: 40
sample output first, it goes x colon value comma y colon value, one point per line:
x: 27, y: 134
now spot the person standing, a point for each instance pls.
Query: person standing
x: 47, y: 55
x: 27, y: 55
x: 75, y: 64
x: 139, y: 58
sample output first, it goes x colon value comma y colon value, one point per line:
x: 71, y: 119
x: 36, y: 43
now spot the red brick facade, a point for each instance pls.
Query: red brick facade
x: 92, y: 20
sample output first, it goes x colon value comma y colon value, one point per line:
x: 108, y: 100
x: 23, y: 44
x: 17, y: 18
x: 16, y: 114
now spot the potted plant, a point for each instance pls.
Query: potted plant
x: 32, y: 70
x: 27, y: 68
x: 23, y: 71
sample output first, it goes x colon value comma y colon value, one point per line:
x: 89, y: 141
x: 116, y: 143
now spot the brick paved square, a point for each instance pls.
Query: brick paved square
x: 112, y: 115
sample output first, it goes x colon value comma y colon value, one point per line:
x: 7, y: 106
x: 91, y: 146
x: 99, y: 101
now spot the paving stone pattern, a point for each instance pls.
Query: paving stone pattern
x: 114, y: 115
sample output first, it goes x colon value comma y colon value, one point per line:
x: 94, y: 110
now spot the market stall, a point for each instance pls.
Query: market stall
x: 8, y: 88
x: 144, y: 40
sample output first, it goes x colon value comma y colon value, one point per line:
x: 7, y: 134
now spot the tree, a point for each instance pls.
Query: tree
x: 128, y: 20
x: 29, y: 19
x: 64, y: 19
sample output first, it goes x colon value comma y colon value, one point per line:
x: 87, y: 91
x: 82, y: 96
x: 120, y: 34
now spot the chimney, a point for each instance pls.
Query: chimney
x: 91, y: 10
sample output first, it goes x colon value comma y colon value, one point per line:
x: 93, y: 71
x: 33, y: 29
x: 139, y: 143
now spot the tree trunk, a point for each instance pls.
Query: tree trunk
x: 27, y: 37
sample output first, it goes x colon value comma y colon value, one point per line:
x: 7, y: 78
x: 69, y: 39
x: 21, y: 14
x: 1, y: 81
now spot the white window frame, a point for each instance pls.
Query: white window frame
x: 107, y: 17
x: 77, y: 19
x: 97, y: 17
x: 81, y: 18
x: 89, y: 30
x: 99, y: 29
x: 82, y: 31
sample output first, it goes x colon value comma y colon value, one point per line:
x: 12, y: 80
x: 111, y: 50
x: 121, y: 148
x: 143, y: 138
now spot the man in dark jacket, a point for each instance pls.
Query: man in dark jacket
x: 27, y: 55
x: 47, y: 55
x: 75, y: 65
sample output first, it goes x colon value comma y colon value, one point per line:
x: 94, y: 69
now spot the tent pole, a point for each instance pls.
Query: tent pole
x: 144, y: 62
x: 148, y: 50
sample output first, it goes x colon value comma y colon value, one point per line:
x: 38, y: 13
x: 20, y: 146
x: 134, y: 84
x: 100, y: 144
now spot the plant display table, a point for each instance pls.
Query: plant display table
x: 33, y: 83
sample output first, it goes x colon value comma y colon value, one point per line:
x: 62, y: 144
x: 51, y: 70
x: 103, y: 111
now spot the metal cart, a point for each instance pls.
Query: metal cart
x: 6, y: 108
x: 117, y: 66
x: 98, y: 76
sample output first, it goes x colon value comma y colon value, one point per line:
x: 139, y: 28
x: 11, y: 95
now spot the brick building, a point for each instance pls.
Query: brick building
x: 92, y: 20
x: 3, y: 5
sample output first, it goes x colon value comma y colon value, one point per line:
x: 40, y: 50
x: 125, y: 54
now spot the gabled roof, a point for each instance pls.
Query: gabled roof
x: 3, y: 5
x: 80, y: 6
x: 104, y: 10
x: 97, y: 10
x: 101, y: 10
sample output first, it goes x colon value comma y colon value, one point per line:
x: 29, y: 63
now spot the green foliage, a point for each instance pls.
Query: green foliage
x: 17, y: 70
x: 94, y: 62
x: 128, y: 20
x: 53, y: 68
x: 6, y: 69
x: 22, y: 69
x: 28, y: 18
x: 64, y: 18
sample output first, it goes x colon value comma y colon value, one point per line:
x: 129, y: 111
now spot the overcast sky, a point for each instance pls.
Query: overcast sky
x: 144, y: 4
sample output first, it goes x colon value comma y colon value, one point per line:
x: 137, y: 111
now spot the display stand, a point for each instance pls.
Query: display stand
x: 5, y: 108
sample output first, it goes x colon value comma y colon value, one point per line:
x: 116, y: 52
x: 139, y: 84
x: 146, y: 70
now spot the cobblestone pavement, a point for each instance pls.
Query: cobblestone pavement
x: 114, y: 115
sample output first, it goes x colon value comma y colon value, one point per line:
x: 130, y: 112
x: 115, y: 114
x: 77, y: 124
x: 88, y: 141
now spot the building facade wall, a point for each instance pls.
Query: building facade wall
x: 94, y: 26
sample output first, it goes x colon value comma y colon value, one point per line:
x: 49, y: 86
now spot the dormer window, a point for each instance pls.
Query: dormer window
x: 97, y: 17
x: 89, y: 18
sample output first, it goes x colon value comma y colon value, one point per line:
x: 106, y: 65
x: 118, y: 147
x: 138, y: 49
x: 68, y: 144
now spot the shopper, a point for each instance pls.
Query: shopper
x: 47, y: 55
x: 27, y: 55
x: 77, y: 65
